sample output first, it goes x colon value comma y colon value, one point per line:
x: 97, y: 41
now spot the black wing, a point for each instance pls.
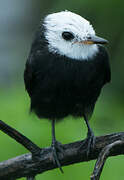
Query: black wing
x: 103, y: 55
x: 29, y: 77
x: 107, y: 69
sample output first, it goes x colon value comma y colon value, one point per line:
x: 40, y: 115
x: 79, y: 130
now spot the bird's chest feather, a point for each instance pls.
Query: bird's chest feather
x: 81, y: 79
x: 62, y: 80
x: 62, y: 86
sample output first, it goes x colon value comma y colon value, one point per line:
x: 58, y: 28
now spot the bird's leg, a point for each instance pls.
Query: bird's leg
x: 56, y: 146
x: 90, y: 137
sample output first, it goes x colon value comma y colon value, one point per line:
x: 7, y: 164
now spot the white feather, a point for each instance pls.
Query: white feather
x: 57, y: 23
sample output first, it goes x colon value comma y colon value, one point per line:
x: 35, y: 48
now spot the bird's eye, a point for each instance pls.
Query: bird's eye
x: 67, y: 36
x: 89, y: 37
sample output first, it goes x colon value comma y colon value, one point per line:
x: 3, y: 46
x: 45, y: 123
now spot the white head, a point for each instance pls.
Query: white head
x: 70, y: 35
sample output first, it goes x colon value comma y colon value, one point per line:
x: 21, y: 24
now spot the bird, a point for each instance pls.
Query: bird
x: 66, y: 69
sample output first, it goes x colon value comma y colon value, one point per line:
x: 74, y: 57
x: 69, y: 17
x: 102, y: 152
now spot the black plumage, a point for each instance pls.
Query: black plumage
x: 59, y: 86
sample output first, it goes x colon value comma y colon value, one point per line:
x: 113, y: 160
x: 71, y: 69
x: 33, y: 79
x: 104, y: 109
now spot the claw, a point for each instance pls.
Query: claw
x: 56, y: 146
x: 90, y: 141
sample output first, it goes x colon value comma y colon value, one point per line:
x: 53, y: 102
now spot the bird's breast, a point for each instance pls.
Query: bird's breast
x: 65, y: 87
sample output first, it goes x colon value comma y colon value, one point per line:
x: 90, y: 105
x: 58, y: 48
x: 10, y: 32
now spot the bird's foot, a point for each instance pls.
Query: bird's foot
x: 57, y: 147
x: 90, y: 141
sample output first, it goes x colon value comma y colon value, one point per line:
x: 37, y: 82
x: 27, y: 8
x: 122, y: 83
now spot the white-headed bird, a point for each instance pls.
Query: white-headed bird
x: 65, y: 71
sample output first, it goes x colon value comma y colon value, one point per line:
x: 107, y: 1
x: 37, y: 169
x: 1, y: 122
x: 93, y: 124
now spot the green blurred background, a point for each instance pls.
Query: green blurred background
x: 18, y: 22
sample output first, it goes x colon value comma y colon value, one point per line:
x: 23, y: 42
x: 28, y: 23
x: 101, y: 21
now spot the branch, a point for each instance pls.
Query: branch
x: 102, y: 159
x: 25, y: 166
x: 21, y: 139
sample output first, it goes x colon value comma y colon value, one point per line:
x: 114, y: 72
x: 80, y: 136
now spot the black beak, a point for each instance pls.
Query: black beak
x: 96, y: 40
x: 93, y: 40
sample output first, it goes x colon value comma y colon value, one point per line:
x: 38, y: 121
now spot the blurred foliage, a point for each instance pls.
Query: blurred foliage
x: 107, y: 18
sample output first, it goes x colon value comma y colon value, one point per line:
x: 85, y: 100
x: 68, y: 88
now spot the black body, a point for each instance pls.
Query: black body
x: 59, y: 86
